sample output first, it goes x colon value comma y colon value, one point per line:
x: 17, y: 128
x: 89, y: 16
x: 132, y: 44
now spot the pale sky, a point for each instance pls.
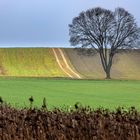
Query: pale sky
x: 44, y: 23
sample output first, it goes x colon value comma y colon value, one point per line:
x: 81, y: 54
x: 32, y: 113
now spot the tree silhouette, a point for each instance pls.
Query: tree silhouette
x: 106, y: 32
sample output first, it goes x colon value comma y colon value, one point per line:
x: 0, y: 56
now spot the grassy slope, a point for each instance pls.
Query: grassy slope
x: 29, y: 62
x: 125, y: 65
x: 40, y: 62
x: 59, y: 92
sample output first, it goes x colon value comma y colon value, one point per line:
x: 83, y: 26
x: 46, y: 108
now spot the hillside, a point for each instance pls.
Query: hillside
x: 126, y: 65
x: 50, y: 62
x: 30, y: 62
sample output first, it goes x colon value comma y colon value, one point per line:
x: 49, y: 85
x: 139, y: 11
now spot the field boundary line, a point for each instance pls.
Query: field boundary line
x: 57, y: 59
x: 65, y: 61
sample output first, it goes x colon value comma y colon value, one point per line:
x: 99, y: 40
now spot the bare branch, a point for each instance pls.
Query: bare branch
x: 106, y: 32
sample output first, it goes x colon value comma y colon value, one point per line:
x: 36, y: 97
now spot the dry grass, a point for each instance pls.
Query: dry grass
x: 125, y: 65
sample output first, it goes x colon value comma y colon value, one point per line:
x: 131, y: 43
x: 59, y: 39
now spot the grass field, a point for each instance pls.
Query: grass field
x: 108, y: 94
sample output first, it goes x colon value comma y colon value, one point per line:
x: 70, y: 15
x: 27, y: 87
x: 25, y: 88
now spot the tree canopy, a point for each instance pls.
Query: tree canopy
x: 106, y: 32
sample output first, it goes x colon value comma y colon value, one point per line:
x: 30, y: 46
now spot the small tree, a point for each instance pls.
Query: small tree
x: 106, y: 32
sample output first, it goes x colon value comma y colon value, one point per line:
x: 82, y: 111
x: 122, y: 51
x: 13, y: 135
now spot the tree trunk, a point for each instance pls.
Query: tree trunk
x: 108, y: 69
x: 108, y: 74
x: 106, y: 63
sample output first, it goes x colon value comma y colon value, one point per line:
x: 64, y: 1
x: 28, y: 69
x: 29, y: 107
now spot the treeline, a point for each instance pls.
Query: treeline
x: 78, y: 123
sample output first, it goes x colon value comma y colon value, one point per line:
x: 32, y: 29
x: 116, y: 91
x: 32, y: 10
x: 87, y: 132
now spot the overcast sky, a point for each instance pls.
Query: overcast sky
x: 44, y: 23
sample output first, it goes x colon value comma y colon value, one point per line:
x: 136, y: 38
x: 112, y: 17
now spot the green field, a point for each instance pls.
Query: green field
x: 108, y: 94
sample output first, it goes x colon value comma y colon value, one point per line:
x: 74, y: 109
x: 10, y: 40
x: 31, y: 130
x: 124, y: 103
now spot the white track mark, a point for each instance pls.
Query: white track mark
x: 66, y: 63
x: 57, y: 59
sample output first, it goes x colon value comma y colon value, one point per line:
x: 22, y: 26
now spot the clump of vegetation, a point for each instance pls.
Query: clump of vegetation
x: 44, y: 105
x: 1, y: 100
x: 79, y: 123
x: 31, y: 100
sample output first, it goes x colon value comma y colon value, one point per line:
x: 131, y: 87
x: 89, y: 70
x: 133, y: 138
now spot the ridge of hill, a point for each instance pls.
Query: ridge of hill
x: 65, y: 62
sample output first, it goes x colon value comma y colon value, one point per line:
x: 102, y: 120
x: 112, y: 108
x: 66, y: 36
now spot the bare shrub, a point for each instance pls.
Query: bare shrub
x: 77, y: 124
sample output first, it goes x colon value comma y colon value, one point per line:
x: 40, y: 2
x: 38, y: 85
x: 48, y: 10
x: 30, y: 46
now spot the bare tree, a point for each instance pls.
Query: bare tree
x: 106, y: 32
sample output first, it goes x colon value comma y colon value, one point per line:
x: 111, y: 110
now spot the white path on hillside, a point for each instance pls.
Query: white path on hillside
x: 68, y: 71
x: 62, y: 54
x: 56, y: 57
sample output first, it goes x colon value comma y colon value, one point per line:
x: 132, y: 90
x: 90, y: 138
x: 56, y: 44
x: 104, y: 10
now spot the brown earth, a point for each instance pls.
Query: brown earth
x: 126, y: 65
